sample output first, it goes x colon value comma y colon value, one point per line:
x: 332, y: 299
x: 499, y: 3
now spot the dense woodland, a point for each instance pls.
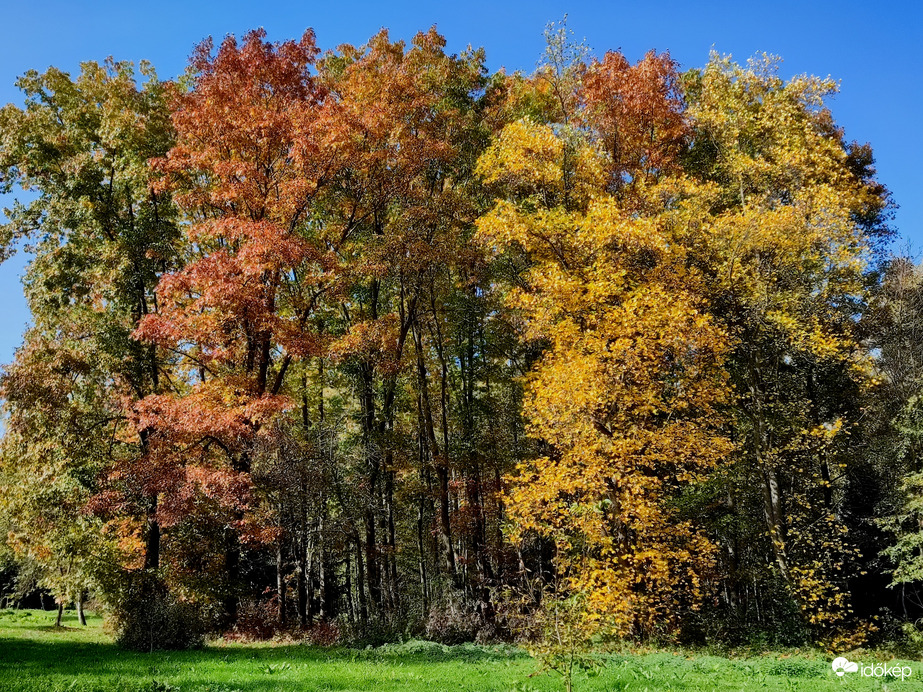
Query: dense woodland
x: 373, y: 342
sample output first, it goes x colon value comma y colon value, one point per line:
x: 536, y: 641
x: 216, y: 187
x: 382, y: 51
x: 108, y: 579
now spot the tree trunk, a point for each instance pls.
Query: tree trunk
x: 309, y: 579
x: 392, y: 536
x: 448, y: 550
x: 152, y: 533
x: 152, y: 542
x: 440, y: 460
x: 320, y: 398
x: 80, y: 614
x: 360, y: 584
x: 372, y: 567
x: 772, y: 501
x: 241, y: 464
x: 232, y: 574
x: 348, y: 586
x: 280, y: 583
x: 822, y: 454
x: 373, y: 465
x: 421, y: 543
x: 321, y: 571
x: 302, y: 591
x: 57, y: 622
x: 772, y: 509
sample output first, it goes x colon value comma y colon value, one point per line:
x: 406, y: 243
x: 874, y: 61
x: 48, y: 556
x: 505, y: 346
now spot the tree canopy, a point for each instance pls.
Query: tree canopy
x: 374, y: 338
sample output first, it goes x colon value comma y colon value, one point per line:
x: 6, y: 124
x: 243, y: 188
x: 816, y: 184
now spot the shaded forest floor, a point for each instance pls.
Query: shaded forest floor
x: 37, y: 657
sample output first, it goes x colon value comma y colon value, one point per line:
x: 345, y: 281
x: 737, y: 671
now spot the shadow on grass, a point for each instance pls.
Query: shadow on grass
x: 59, y: 662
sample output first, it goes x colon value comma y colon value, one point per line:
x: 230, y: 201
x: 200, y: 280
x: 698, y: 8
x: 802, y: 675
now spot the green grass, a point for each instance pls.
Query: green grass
x: 37, y: 657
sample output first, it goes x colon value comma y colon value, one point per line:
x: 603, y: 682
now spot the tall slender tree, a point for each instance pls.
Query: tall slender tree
x: 100, y: 237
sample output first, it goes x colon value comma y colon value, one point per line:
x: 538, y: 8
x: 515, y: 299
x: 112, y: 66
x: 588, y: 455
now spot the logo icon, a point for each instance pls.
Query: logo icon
x: 842, y: 665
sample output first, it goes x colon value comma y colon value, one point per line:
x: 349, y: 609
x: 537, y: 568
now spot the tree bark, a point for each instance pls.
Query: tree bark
x: 81, y: 616
x: 280, y: 583
x: 360, y: 584
x: 302, y: 591
x: 440, y: 460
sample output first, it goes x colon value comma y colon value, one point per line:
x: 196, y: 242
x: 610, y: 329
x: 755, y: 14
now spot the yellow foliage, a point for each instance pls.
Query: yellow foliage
x: 532, y: 160
x: 626, y: 395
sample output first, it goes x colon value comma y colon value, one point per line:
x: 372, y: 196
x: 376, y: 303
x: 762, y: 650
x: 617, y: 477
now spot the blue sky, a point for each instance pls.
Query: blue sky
x: 875, y: 49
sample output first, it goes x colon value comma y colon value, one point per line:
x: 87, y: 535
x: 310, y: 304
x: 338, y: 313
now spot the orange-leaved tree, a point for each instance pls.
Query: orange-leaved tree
x: 406, y: 126
x: 249, y: 161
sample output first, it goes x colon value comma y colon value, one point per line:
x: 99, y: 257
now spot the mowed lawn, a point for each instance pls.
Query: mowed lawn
x: 35, y: 656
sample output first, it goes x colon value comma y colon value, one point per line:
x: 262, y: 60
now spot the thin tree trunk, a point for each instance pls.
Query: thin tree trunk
x: 373, y: 464
x: 80, y: 614
x: 392, y: 536
x: 442, y: 473
x: 350, y: 604
x: 822, y: 454
x: 309, y: 579
x: 772, y: 501
x: 280, y: 583
x: 321, y: 571
x: 421, y: 522
x: 232, y: 574
x: 360, y: 584
x: 302, y: 588
x: 152, y: 533
x: 152, y: 541
x: 372, y: 565
x: 772, y: 509
x: 440, y: 460
x: 305, y: 412
x: 320, y: 398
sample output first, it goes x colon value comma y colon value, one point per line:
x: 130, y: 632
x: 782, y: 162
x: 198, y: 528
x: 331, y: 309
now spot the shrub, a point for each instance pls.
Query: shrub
x: 146, y: 617
x: 453, y: 619
x: 257, y: 620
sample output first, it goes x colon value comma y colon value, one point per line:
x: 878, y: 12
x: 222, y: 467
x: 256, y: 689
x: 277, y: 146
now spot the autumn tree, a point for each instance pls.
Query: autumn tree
x: 795, y: 216
x: 247, y: 163
x: 398, y: 211
x: 636, y: 114
x: 626, y: 395
x: 100, y: 238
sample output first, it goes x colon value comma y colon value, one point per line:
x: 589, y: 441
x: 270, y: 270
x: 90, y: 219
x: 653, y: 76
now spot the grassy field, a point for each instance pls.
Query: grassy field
x: 37, y: 657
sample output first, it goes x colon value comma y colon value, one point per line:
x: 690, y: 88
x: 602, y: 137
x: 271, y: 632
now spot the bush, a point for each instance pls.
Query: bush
x: 377, y: 630
x: 146, y: 617
x: 324, y: 633
x: 257, y: 620
x: 912, y: 638
x: 453, y: 619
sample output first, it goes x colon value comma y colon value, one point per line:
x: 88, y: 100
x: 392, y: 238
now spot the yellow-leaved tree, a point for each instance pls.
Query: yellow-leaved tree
x: 625, y: 398
x: 794, y: 215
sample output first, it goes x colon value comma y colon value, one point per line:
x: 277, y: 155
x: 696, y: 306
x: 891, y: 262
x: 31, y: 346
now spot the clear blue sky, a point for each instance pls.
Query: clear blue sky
x: 874, y: 48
